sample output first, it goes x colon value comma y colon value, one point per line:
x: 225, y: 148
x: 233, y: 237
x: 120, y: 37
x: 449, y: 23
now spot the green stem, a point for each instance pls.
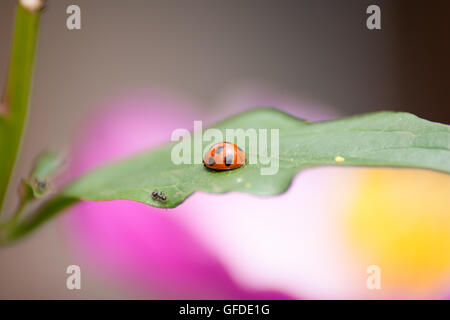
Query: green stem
x: 46, y: 211
x: 14, y: 105
x: 20, y: 209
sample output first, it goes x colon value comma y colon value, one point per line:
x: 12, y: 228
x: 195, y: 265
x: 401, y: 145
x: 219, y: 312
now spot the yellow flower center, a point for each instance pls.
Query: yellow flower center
x: 401, y: 222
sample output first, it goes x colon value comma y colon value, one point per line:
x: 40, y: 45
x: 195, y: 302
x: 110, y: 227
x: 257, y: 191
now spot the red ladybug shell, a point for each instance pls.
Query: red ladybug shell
x: 224, y: 156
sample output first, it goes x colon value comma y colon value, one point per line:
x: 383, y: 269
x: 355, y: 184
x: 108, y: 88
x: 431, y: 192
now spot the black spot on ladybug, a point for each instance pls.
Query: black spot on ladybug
x: 219, y: 150
x: 229, y: 160
x: 211, y: 161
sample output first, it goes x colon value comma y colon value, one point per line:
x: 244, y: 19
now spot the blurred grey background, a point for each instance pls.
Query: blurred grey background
x: 316, y: 50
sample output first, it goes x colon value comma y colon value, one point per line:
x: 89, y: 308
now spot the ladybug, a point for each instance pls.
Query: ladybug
x: 224, y: 156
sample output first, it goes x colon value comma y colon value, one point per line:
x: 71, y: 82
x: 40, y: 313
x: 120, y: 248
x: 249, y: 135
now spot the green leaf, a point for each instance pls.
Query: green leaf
x: 379, y: 139
x: 391, y: 139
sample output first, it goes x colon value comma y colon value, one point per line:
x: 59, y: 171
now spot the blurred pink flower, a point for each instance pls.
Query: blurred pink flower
x: 188, y: 252
x: 313, y: 241
x: 137, y: 243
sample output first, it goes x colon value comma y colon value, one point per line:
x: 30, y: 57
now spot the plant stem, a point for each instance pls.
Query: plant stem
x: 46, y: 211
x: 14, y: 104
x: 15, y: 217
